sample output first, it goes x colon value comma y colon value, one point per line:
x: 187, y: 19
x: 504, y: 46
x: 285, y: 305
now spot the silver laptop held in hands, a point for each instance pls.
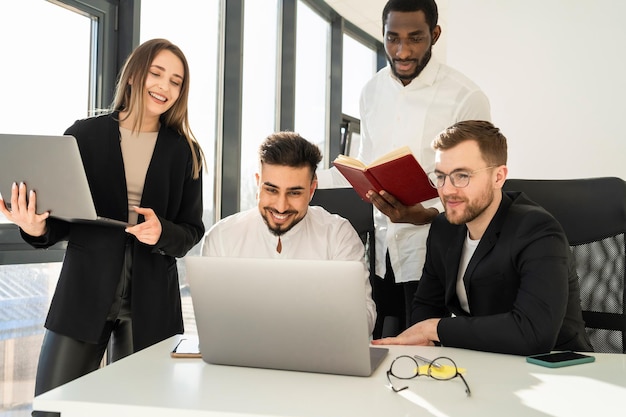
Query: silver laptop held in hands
x: 52, y: 166
x: 301, y: 315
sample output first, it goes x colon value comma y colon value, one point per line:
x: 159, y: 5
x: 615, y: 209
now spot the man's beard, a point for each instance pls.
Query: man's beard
x: 421, y: 64
x: 279, y: 230
x: 473, y: 210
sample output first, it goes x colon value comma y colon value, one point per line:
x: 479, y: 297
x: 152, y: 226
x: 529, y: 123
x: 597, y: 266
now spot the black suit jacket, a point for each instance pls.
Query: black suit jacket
x: 93, y: 261
x: 521, y: 284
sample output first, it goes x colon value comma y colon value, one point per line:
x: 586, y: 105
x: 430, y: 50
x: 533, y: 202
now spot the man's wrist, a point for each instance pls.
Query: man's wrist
x: 428, y: 217
x: 433, y: 334
x: 433, y: 213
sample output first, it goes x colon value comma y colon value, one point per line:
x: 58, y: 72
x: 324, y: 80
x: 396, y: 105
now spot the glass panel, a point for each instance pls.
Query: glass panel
x: 47, y: 87
x: 25, y: 294
x: 359, y: 65
x: 45, y: 97
x: 355, y: 143
x: 312, y: 75
x: 193, y: 25
x: 259, y: 89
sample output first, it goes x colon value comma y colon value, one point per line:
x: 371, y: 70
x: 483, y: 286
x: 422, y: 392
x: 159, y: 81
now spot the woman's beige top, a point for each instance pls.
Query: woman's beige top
x: 137, y: 148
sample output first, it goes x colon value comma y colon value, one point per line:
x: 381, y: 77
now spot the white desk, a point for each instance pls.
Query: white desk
x: 150, y: 383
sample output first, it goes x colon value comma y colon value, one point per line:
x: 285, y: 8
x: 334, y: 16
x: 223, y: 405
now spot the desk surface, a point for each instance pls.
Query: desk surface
x: 150, y: 383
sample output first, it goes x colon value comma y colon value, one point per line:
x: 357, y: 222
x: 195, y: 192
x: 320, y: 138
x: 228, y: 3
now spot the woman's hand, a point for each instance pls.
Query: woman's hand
x: 148, y: 232
x: 23, y: 213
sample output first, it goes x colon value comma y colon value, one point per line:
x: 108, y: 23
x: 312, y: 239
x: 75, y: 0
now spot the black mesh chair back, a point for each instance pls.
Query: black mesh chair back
x: 347, y: 203
x: 592, y: 211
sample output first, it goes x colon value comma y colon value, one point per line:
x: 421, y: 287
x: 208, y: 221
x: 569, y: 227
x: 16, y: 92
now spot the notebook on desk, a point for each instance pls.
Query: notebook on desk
x: 53, y: 167
x: 301, y: 315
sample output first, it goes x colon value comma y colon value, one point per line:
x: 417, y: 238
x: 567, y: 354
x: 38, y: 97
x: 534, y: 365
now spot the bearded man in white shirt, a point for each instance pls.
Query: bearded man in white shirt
x: 408, y: 103
x: 284, y: 226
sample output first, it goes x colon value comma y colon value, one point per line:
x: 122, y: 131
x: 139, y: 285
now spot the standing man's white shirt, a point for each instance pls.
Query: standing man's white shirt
x: 393, y: 115
x: 319, y: 235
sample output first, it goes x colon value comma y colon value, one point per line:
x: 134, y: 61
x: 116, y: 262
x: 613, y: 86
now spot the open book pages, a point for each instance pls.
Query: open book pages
x: 353, y: 162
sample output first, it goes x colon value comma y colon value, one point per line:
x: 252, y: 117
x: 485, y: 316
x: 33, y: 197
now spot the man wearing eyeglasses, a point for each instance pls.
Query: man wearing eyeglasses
x: 499, y: 275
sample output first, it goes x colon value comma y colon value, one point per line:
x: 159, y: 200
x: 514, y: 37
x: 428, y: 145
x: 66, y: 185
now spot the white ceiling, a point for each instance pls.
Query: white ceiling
x: 365, y: 14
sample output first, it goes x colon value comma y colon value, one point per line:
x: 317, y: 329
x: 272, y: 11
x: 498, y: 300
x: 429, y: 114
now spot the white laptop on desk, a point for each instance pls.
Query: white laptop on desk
x: 53, y: 167
x: 301, y: 315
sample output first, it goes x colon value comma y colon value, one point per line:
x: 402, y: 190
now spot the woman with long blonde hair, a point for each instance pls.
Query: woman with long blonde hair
x: 143, y: 164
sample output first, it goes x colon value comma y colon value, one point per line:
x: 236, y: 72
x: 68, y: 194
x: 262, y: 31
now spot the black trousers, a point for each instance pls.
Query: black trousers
x: 63, y: 359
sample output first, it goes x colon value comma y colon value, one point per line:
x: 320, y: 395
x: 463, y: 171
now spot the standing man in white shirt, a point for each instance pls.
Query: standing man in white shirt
x: 408, y: 103
x: 284, y: 226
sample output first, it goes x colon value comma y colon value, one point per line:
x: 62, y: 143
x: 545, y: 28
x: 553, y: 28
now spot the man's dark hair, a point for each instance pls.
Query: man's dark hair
x: 491, y: 141
x: 429, y: 7
x: 290, y: 149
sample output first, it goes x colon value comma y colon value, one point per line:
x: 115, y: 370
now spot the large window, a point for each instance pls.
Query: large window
x: 312, y: 73
x: 46, y: 81
x: 258, y: 111
x: 195, y: 29
x: 45, y: 67
x: 359, y: 66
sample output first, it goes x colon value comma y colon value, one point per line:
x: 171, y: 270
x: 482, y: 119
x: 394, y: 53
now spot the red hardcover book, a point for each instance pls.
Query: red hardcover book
x: 397, y: 172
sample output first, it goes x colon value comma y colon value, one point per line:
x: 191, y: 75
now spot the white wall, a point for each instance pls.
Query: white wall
x: 555, y: 72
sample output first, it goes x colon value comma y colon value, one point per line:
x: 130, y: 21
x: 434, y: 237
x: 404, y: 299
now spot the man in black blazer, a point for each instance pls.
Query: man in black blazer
x: 499, y: 275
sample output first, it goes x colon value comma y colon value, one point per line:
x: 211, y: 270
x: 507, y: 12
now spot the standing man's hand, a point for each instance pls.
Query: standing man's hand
x: 398, y: 212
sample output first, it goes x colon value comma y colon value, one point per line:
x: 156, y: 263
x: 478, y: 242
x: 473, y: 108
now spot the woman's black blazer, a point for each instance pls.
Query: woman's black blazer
x: 93, y: 261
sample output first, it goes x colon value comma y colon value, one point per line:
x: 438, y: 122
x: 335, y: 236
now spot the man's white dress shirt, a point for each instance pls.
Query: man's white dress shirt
x: 394, y: 115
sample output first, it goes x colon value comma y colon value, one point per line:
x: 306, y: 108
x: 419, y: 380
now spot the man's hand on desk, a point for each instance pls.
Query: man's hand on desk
x: 398, y: 212
x: 423, y: 333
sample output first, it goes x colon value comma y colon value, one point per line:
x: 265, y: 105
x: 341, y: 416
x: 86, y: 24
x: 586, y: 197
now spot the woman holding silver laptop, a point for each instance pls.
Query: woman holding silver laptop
x: 143, y: 164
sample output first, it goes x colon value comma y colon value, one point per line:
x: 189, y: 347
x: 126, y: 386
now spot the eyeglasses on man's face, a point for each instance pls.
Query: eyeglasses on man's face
x: 408, y: 367
x: 458, y: 179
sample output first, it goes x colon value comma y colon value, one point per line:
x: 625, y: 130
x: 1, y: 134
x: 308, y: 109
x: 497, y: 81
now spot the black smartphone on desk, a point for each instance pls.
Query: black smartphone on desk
x: 560, y: 359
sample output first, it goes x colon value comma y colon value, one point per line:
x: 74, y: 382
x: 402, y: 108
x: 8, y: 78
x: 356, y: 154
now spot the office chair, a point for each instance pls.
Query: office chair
x: 592, y: 211
x: 347, y: 203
